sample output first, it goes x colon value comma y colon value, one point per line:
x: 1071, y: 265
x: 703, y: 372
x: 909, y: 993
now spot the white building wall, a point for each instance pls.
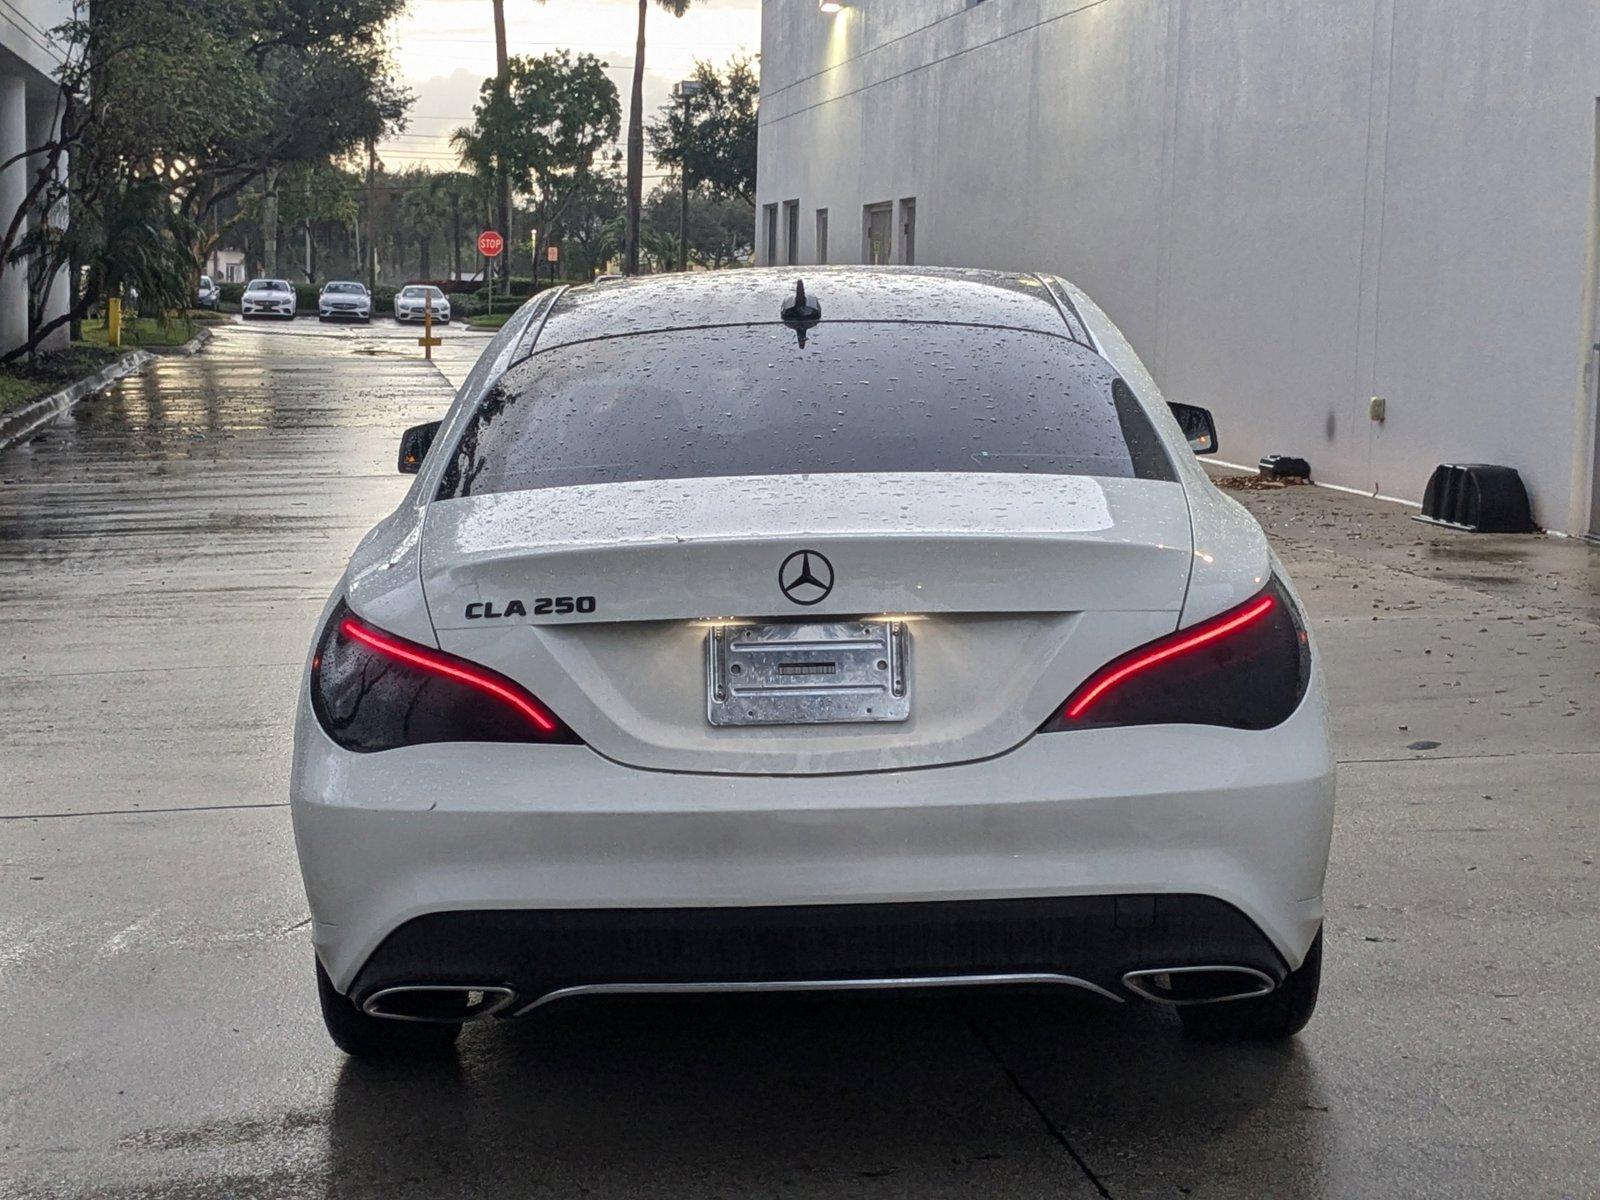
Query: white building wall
x: 26, y: 27
x: 1290, y: 206
x: 29, y: 58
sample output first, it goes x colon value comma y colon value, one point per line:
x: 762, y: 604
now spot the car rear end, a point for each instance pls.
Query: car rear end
x: 757, y: 654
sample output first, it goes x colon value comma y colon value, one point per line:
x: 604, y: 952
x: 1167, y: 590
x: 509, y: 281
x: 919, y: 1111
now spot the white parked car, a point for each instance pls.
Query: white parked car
x: 344, y: 299
x: 412, y: 301
x: 267, y: 298
x: 889, y: 637
x: 208, y: 294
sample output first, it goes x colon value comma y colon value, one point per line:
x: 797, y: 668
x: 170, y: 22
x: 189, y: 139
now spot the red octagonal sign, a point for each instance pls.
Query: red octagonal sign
x: 490, y: 244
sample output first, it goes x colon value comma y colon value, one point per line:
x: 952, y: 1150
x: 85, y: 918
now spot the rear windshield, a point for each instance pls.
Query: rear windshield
x: 750, y: 400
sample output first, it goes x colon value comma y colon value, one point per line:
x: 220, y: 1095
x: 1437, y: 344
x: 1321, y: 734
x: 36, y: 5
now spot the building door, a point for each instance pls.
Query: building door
x: 791, y: 231
x: 769, y: 221
x: 908, y: 231
x: 822, y: 235
x: 879, y: 233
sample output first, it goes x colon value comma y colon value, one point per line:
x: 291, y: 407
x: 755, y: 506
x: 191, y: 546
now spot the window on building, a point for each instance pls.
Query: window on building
x: 822, y: 235
x: 791, y: 231
x: 908, y: 230
x: 769, y: 222
x: 877, y: 235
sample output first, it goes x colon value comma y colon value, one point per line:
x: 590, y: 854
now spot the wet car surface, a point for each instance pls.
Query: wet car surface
x: 164, y: 552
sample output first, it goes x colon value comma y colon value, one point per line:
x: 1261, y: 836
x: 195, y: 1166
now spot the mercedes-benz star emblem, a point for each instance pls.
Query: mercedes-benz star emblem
x: 806, y: 577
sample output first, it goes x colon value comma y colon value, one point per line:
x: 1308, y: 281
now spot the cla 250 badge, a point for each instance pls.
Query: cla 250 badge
x: 543, y: 606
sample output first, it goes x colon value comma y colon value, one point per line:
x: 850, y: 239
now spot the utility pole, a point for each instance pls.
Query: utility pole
x: 502, y: 65
x: 455, y: 244
x: 684, y: 91
x: 372, y: 215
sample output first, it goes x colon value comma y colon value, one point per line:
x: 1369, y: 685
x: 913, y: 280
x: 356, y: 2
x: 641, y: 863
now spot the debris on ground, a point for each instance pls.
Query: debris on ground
x: 1256, y: 483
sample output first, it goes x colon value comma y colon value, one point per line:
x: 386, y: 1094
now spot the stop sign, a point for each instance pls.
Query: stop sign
x: 490, y: 243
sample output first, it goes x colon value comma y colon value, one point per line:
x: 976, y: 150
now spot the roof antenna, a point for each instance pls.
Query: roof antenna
x: 801, y: 309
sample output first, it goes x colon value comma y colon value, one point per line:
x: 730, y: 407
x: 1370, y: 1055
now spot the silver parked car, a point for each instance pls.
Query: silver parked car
x: 267, y: 298
x: 413, y: 300
x: 344, y: 299
x: 208, y: 294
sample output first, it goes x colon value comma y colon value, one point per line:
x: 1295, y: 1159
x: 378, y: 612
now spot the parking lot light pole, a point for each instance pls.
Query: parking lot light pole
x: 684, y: 92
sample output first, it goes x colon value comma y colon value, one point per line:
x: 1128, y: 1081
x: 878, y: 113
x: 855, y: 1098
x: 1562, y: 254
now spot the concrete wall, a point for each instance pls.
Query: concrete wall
x: 25, y: 28
x: 1290, y: 206
x: 29, y: 58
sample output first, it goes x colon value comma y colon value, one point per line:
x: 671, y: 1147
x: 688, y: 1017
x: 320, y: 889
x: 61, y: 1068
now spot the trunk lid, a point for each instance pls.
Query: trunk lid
x: 600, y: 599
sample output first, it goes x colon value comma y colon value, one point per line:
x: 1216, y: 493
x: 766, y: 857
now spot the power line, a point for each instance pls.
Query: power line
x: 740, y: 44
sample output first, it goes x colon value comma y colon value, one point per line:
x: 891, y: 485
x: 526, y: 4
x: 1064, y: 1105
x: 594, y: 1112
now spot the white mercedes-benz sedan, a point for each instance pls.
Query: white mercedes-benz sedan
x: 344, y: 299
x: 877, y: 632
x: 414, y: 301
x: 267, y: 298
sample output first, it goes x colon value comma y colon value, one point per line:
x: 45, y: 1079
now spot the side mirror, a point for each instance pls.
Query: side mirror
x: 414, y: 444
x: 1198, y: 427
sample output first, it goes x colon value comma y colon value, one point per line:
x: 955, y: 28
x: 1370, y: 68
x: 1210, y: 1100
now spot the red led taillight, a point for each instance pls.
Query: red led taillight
x: 1108, y: 677
x: 1246, y: 668
x: 452, y: 668
x: 372, y: 690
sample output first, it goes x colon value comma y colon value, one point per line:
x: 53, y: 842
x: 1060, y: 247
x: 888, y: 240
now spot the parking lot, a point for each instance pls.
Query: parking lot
x: 164, y: 552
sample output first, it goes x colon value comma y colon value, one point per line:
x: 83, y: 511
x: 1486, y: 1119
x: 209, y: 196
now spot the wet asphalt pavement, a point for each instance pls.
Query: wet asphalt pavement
x: 163, y: 553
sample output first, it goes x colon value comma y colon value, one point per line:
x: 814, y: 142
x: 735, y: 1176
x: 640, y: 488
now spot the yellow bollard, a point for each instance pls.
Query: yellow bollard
x: 427, y: 341
x: 114, y: 321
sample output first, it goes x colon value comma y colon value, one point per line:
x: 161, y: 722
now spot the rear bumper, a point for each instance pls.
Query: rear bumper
x: 1241, y: 818
x: 1084, y: 941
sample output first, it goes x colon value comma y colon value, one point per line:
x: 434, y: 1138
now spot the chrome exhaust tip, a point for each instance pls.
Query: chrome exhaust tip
x: 438, y: 1003
x: 1198, y: 985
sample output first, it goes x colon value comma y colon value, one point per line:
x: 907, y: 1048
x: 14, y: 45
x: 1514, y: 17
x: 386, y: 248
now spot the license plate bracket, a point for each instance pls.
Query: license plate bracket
x: 813, y: 674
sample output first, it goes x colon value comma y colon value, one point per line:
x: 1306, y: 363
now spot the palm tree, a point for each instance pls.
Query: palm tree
x: 630, y: 254
x: 502, y: 69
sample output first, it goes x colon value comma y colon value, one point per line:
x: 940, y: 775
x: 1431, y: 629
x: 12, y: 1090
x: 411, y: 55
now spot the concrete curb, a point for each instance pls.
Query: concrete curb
x: 28, y: 420
x: 192, y: 346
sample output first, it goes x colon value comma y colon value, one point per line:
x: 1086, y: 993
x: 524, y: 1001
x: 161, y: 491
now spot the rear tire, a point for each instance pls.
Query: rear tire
x: 363, y: 1036
x: 1274, y: 1017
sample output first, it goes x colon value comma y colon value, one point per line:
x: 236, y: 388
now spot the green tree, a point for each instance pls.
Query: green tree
x: 316, y: 198
x: 717, y: 133
x: 427, y: 213
x: 721, y: 233
x: 545, y: 131
x: 198, y: 102
x: 630, y: 253
x: 591, y: 228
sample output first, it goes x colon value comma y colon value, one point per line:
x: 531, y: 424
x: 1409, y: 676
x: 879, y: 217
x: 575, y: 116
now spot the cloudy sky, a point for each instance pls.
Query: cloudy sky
x: 445, y: 48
